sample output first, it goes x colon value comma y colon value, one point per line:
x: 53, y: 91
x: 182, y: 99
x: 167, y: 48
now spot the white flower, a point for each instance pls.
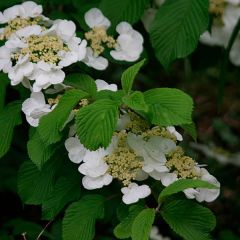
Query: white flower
x: 77, y: 52
x: 152, y: 151
x: 97, y: 62
x: 204, y: 194
x: 35, y: 107
x: 65, y: 29
x: 123, y: 121
x: 95, y: 18
x: 5, y: 59
x: 91, y: 183
x: 200, y: 194
x: 173, y: 131
x: 45, y: 75
x: 76, y: 151
x: 133, y: 193
x: 22, y: 69
x: 129, y: 43
x: 220, y: 34
x: 102, y: 85
x: 24, y: 10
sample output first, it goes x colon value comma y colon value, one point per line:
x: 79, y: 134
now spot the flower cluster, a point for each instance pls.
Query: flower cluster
x: 225, y: 16
x: 35, y: 52
x: 138, y: 151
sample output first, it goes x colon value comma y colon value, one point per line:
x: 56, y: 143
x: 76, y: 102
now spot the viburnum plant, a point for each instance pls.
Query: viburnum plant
x: 123, y: 143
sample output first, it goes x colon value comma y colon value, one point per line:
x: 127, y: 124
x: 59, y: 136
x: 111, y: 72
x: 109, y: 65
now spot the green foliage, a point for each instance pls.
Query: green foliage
x: 183, y: 184
x: 10, y: 117
x: 124, y: 10
x: 65, y: 190
x: 96, y: 123
x: 81, y: 81
x: 124, y: 228
x: 135, y: 101
x: 38, y: 151
x: 4, y: 81
x: 189, y: 219
x: 80, y: 217
x: 169, y: 106
x: 35, y: 185
x: 142, y: 224
x: 129, y: 75
x: 52, y: 124
x: 177, y: 27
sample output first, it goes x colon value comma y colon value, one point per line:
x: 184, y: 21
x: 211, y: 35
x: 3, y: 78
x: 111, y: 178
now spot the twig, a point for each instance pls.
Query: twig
x: 41, y: 233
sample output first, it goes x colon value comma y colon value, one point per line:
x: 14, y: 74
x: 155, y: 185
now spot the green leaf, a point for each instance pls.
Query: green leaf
x: 65, y: 191
x: 123, y: 229
x: 52, y: 124
x: 124, y: 10
x: 191, y: 130
x: 183, y: 184
x: 135, y: 101
x: 169, y: 106
x: 189, y: 219
x: 4, y: 81
x: 142, y: 224
x: 81, y: 81
x: 38, y: 151
x: 10, y: 117
x: 177, y: 27
x: 80, y: 217
x: 96, y: 123
x: 129, y: 75
x: 34, y: 186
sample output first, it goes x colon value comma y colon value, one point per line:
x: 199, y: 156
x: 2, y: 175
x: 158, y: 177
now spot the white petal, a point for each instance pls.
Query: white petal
x: 133, y: 193
x: 96, y: 183
x: 102, y: 85
x: 97, y: 62
x: 95, y: 18
x: 76, y: 151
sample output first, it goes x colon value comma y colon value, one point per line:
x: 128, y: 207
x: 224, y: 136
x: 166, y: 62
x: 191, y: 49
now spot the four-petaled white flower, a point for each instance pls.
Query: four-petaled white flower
x: 35, y: 107
x: 134, y: 192
x: 129, y: 43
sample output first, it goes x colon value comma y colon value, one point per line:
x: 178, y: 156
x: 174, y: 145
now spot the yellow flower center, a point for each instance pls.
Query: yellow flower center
x: 42, y: 48
x: 123, y: 163
x: 98, y: 38
x: 217, y: 7
x: 183, y: 166
x: 17, y: 24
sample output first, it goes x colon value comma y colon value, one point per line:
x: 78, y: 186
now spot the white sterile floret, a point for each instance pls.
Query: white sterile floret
x: 22, y: 69
x: 134, y: 192
x: 221, y: 32
x: 102, y: 85
x: 5, y: 59
x: 173, y: 131
x: 92, y: 60
x: 155, y: 235
x: 76, y: 151
x: 91, y: 183
x: 24, y: 10
x: 35, y: 107
x: 204, y: 194
x: 129, y: 43
x: 95, y: 18
x: 153, y: 153
x: 46, y: 74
